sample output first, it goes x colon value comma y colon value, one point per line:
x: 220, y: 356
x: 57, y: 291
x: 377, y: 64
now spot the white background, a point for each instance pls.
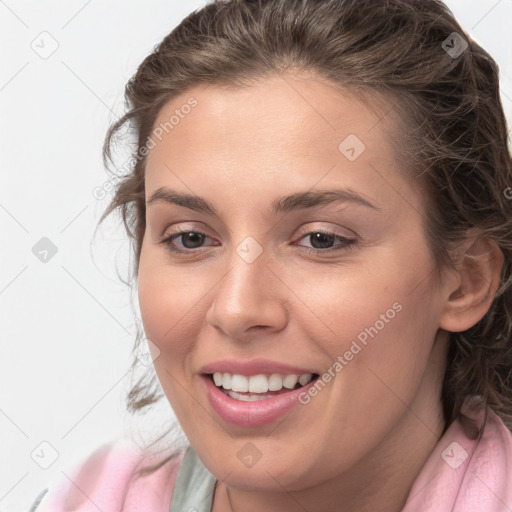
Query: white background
x: 67, y: 326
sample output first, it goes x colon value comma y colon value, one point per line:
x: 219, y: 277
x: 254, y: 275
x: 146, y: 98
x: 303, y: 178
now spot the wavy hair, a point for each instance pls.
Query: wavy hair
x: 446, y: 100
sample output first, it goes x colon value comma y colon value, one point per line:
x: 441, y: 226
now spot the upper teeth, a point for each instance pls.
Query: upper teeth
x: 259, y: 383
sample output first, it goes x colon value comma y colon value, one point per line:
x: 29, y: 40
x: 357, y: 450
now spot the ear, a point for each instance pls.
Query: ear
x: 471, y: 292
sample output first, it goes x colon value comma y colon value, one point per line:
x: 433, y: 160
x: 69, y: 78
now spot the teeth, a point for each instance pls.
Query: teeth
x: 226, y: 380
x: 290, y: 380
x: 275, y: 383
x: 246, y: 398
x: 258, y: 383
x: 217, y: 378
x: 304, y: 379
x: 239, y: 383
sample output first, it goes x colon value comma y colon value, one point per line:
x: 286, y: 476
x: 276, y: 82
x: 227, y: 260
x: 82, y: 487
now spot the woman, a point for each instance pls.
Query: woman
x: 322, y: 237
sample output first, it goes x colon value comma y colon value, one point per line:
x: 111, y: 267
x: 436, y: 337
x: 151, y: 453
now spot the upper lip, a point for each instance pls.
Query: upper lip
x: 250, y: 367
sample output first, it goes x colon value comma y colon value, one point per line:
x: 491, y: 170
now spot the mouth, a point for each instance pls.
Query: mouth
x: 252, y: 393
x: 261, y: 386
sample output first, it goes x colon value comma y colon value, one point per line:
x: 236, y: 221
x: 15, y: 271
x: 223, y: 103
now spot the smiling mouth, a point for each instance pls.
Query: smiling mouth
x: 259, y: 387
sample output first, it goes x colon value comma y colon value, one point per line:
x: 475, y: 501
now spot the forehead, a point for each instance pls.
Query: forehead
x: 282, y: 111
x: 282, y: 129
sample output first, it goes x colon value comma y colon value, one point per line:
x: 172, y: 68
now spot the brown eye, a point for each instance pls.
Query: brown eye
x: 190, y: 240
x: 322, y: 242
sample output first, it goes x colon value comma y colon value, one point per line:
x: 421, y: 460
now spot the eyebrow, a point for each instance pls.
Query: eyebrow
x: 296, y: 201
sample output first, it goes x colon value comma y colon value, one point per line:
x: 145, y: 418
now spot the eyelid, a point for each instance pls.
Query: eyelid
x: 347, y: 242
x: 328, y: 231
x: 181, y: 228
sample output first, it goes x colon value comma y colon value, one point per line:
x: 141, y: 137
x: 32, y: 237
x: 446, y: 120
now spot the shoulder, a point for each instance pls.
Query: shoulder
x: 470, y: 468
x: 496, y: 453
x: 116, y: 475
x: 488, y: 476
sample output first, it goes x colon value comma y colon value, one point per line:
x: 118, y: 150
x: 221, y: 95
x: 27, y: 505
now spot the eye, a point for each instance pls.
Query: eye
x: 322, y: 241
x: 190, y: 240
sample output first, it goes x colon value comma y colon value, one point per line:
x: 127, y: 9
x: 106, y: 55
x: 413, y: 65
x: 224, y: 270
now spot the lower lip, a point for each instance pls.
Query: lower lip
x: 252, y: 414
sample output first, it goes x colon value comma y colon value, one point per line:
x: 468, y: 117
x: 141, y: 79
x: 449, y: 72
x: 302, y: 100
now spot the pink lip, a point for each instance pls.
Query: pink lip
x: 253, y: 367
x: 252, y: 414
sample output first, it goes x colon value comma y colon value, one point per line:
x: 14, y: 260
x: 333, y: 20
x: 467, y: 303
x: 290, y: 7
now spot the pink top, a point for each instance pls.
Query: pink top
x: 461, y: 475
x: 105, y: 481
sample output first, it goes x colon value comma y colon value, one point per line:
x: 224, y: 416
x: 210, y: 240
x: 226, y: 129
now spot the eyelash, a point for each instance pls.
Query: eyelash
x: 348, y: 243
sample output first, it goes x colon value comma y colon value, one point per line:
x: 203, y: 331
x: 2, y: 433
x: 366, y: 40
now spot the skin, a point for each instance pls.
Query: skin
x: 360, y: 443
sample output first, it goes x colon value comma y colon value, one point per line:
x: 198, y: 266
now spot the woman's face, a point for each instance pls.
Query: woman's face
x: 306, y: 256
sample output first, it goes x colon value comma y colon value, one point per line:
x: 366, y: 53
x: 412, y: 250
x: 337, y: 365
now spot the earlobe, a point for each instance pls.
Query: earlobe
x: 478, y: 279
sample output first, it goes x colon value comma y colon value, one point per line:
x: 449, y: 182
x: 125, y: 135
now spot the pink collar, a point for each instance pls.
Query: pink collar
x: 462, y: 474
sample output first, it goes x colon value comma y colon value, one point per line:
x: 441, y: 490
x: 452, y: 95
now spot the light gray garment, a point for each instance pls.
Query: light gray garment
x: 193, y: 487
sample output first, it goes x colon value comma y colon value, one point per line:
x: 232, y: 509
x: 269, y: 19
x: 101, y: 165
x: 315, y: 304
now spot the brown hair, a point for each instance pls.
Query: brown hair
x: 456, y: 137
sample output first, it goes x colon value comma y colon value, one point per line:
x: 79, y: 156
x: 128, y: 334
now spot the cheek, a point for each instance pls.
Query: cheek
x: 355, y: 306
x: 170, y: 305
x: 407, y: 341
x: 171, y: 316
x: 387, y: 356
x: 381, y: 320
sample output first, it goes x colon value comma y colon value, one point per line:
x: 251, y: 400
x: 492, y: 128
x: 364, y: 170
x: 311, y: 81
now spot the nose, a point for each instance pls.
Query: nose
x: 248, y: 299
